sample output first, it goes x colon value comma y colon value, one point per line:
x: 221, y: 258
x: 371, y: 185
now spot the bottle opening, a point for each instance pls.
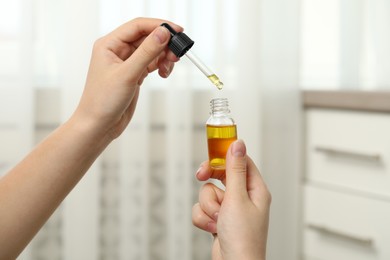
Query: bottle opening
x: 219, y: 106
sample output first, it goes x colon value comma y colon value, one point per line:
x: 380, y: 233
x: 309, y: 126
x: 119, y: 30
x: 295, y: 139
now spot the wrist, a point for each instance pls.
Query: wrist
x: 246, y: 255
x: 89, y: 130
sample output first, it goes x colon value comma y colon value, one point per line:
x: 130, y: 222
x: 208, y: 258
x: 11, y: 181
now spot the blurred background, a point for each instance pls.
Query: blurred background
x: 136, y: 200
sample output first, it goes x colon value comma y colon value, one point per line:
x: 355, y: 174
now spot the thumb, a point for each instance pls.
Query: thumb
x: 236, y: 170
x: 150, y: 49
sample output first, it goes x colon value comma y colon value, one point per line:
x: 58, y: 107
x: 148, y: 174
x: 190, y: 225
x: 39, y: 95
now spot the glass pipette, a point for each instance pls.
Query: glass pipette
x: 180, y: 44
x: 206, y: 71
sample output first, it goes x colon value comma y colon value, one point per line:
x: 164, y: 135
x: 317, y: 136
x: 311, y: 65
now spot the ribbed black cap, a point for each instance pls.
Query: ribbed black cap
x: 180, y: 43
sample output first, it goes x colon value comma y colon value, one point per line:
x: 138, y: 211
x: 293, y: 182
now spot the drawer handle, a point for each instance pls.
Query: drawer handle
x: 323, y: 229
x: 335, y: 151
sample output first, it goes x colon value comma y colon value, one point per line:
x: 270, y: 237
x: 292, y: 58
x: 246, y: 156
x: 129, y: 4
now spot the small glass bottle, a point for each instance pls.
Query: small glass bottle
x: 221, y: 132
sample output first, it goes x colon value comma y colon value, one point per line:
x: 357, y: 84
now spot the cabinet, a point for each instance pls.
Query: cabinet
x: 346, y: 187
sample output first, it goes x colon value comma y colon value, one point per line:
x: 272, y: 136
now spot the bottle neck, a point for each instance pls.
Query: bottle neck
x: 219, y: 107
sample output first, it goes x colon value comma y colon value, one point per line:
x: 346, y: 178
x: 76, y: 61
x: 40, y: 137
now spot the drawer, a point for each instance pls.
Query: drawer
x: 349, y: 149
x: 353, y: 228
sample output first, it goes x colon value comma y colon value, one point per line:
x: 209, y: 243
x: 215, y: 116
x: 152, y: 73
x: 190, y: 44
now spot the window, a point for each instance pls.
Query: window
x: 345, y: 44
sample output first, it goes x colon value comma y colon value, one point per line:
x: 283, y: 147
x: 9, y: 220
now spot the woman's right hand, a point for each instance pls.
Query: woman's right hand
x: 120, y: 62
x: 238, y: 217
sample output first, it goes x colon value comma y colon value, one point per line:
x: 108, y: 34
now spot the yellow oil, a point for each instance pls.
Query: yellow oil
x: 215, y: 80
x: 219, y: 139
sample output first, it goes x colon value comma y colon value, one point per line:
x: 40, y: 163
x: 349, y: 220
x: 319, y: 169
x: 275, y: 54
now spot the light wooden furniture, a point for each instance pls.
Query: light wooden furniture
x: 346, y: 186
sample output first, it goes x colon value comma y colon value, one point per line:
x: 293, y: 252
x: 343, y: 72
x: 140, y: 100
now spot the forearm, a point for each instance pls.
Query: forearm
x: 120, y: 62
x: 31, y: 191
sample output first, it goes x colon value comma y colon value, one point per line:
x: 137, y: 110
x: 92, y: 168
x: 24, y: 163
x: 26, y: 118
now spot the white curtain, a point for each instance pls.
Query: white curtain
x: 16, y: 102
x: 345, y: 44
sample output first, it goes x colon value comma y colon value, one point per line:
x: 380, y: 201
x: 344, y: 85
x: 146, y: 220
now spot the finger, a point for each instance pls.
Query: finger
x: 139, y: 27
x: 169, y: 54
x: 163, y: 63
x: 210, y: 199
x: 216, y: 250
x: 149, y: 50
x: 144, y: 74
x: 165, y: 68
x: 236, y: 170
x: 202, y: 221
x: 172, y: 57
x: 205, y: 172
x: 157, y: 61
x: 257, y: 189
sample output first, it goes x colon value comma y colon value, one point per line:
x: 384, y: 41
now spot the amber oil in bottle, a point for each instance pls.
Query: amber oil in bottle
x: 221, y: 132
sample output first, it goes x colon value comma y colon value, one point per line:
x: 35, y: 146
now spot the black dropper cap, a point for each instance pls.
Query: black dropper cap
x: 179, y: 43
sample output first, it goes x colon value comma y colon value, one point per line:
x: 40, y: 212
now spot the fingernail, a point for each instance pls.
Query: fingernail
x: 198, y: 171
x: 162, y: 34
x: 167, y: 68
x: 238, y: 148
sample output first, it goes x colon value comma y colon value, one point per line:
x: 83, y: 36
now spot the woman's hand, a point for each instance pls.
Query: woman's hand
x: 120, y: 62
x: 33, y: 189
x: 238, y: 216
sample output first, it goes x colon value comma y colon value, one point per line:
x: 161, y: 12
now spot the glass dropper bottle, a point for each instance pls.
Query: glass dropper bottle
x: 180, y: 44
x: 221, y: 132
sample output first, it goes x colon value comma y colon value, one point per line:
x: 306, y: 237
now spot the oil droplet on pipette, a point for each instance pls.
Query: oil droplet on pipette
x: 215, y: 80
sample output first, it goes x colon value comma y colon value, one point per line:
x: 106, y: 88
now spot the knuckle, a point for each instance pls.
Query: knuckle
x: 137, y: 19
x: 267, y: 197
x: 239, y: 165
x: 208, y: 206
x: 238, y: 169
x: 205, y: 188
x: 195, y: 207
x: 99, y: 44
x: 208, y: 186
x: 147, y: 50
x: 197, y: 220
